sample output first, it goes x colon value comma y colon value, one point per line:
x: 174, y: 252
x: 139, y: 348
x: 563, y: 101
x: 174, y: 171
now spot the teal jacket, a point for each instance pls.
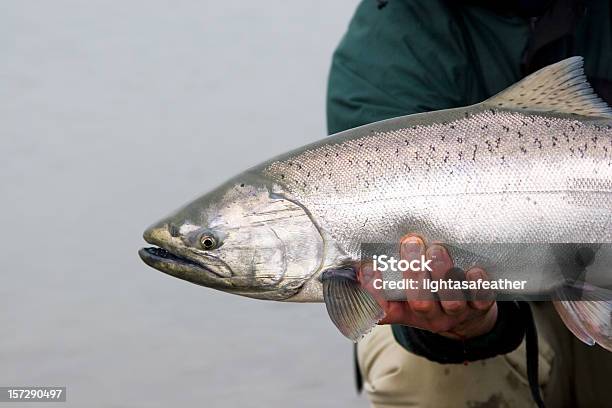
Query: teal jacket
x: 415, y: 56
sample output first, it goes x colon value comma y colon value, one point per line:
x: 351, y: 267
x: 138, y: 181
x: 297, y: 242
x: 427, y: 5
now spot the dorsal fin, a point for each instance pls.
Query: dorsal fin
x: 560, y: 88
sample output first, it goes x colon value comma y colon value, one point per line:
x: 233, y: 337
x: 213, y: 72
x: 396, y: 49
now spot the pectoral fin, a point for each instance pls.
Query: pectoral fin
x: 590, y: 319
x: 352, y: 309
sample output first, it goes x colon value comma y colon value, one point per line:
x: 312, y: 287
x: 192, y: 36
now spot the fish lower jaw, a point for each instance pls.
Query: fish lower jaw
x: 165, y: 261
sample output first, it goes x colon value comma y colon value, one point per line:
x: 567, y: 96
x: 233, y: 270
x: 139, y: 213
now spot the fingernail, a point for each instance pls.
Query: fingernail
x: 412, y: 240
x: 475, y: 274
x: 412, y: 247
x: 437, y: 251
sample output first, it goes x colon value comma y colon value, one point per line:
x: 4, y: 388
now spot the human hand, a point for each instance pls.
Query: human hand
x: 455, y: 317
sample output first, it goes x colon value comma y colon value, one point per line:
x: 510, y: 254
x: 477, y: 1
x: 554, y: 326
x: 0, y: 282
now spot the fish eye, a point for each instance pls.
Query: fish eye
x: 208, y: 242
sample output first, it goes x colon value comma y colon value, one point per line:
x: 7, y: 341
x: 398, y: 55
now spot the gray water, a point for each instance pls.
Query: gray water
x: 111, y: 115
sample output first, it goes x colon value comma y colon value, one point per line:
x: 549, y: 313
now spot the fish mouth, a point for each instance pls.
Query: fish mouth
x: 156, y: 256
x: 182, y: 268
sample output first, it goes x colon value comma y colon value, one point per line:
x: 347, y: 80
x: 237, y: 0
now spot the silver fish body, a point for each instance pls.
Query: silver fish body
x: 458, y: 176
x: 533, y: 165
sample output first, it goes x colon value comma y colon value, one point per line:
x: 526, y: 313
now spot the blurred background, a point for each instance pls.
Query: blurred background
x: 112, y: 114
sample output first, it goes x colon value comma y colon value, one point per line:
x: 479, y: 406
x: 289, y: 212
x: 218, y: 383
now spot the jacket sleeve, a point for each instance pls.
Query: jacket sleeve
x: 403, y: 59
x: 506, y: 335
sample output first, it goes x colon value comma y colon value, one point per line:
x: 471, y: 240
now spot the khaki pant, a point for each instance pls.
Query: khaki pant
x: 571, y: 373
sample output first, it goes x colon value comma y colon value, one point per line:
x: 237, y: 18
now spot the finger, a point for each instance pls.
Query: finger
x: 421, y: 300
x: 442, y: 268
x: 396, y: 313
x: 412, y: 247
x: 370, y: 280
x: 481, y: 299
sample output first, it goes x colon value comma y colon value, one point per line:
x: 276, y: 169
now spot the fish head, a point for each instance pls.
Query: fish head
x: 245, y: 238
